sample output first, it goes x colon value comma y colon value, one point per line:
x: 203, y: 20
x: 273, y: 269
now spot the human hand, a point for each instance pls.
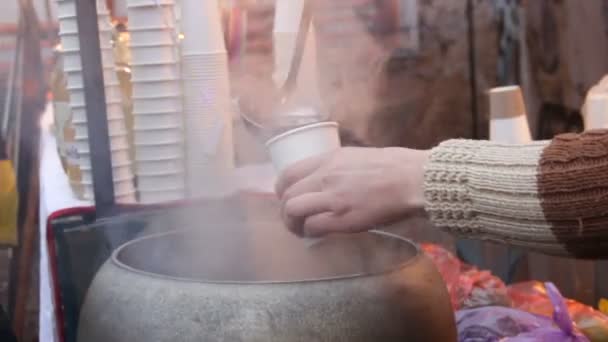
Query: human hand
x: 351, y: 190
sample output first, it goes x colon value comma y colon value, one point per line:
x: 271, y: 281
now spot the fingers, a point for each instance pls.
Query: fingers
x: 306, y: 185
x: 308, y: 214
x: 321, y: 224
x: 297, y: 209
x: 296, y: 173
x: 308, y: 204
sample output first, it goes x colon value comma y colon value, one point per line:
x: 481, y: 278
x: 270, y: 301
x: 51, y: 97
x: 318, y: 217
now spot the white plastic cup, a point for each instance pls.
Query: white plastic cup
x: 161, y: 104
x: 119, y: 157
x: 77, y: 96
x: 201, y: 27
x: 156, y: 88
x: 596, y: 114
x: 303, y: 142
x: 145, y: 73
x: 156, y: 121
x: 152, y: 37
x: 148, y: 3
x: 164, y: 151
x: 72, y: 59
x: 159, y: 166
x: 159, y: 136
x: 121, y: 189
x: 160, y: 181
x: 508, y: 119
x: 158, y: 54
x: 71, y: 42
x: 117, y: 142
x: 68, y: 8
x: 162, y: 196
x: 115, y: 128
x: 127, y: 198
x: 287, y: 15
x: 151, y: 17
x: 75, y: 79
x: 69, y: 25
x: 119, y: 174
x: 113, y: 110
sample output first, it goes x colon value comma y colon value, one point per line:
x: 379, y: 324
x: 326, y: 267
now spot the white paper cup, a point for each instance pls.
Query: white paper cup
x: 72, y: 59
x: 302, y: 143
x: 202, y: 27
x: 151, y: 17
x: 148, y: 3
x: 121, y: 189
x: 153, y: 167
x: 127, y: 198
x: 75, y: 79
x: 71, y: 42
x: 119, y: 157
x: 159, y: 136
x: 117, y: 142
x: 596, y: 113
x: 114, y: 111
x: 143, y: 73
x: 159, y: 54
x: 70, y: 24
x: 67, y: 9
x: 164, y: 151
x: 119, y: 174
x: 161, y: 104
x: 288, y: 14
x: 77, y: 96
x: 157, y: 121
x: 214, y: 57
x: 160, y: 181
x: 207, y: 90
x: 156, y: 88
x: 163, y: 196
x: 153, y: 37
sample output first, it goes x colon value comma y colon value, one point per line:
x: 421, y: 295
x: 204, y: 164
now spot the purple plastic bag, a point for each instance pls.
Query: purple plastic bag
x: 501, y: 324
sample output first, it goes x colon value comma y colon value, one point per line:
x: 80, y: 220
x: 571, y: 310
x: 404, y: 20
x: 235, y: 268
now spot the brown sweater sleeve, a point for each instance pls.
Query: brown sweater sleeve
x: 549, y: 196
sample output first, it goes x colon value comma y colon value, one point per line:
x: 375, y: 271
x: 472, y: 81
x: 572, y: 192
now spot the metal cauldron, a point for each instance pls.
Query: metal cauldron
x: 262, y: 284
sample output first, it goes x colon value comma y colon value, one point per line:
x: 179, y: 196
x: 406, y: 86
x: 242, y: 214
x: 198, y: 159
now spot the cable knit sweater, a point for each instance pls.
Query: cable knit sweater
x: 549, y: 196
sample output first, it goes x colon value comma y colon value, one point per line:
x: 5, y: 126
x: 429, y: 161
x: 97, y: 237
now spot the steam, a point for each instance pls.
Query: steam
x: 241, y: 237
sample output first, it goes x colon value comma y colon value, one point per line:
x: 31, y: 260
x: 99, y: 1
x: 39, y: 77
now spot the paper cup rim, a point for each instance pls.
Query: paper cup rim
x: 178, y: 143
x: 165, y: 112
x: 114, y: 166
x: 168, y: 96
x: 137, y: 159
x: 162, y: 190
x: 171, y: 128
x: 188, y: 54
x: 283, y: 135
x: 133, y: 45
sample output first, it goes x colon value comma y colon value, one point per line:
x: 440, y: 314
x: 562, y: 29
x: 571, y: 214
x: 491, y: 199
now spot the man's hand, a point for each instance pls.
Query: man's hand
x: 351, y: 190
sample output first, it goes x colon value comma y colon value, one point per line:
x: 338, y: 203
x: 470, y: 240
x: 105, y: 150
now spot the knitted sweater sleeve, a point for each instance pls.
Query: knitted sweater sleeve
x: 549, y: 196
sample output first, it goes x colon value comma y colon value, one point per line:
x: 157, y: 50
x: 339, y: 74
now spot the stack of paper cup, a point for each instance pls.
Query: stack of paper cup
x: 157, y: 101
x: 596, y: 114
x: 119, y: 143
x: 287, y: 18
x: 508, y: 119
x: 207, y: 102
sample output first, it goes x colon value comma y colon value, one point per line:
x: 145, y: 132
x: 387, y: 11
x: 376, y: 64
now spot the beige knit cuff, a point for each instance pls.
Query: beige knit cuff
x: 483, y: 189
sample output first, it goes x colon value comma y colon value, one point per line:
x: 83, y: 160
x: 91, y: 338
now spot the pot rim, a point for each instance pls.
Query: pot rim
x: 392, y: 269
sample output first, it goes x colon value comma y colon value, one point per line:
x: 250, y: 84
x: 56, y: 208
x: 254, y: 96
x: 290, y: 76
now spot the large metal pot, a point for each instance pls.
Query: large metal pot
x: 232, y: 284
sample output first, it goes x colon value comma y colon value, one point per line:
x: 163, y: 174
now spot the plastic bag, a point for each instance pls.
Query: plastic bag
x: 513, y: 325
x: 533, y: 297
x: 468, y: 286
